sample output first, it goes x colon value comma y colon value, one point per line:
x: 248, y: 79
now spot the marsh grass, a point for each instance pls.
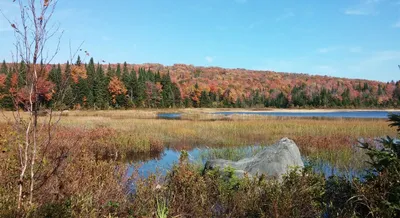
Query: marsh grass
x: 138, y: 132
x: 135, y: 132
x: 91, y: 181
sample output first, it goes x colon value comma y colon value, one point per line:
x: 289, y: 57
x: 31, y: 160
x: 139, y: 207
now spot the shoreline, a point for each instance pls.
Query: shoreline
x: 284, y: 110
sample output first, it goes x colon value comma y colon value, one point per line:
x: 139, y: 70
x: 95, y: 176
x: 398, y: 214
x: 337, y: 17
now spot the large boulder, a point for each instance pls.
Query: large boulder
x: 273, y: 161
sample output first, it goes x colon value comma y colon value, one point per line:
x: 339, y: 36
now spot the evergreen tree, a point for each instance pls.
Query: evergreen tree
x: 176, y: 95
x: 141, y: 95
x: 110, y: 72
x: 100, y: 88
x: 90, y: 71
x: 157, y: 77
x: 133, y: 86
x: 238, y: 103
x: 83, y: 90
x: 380, y: 91
x: 346, y: 97
x: 118, y: 72
x: 67, y: 97
x: 78, y: 61
x: 167, y: 92
x: 22, y: 74
x: 55, y: 76
x: 204, y: 99
x: 4, y: 68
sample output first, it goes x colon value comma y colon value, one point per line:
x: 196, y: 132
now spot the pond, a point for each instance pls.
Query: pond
x: 307, y: 114
x: 333, y: 114
x: 164, y: 162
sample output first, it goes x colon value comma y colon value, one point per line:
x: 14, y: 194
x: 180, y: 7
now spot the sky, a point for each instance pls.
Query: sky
x: 342, y: 38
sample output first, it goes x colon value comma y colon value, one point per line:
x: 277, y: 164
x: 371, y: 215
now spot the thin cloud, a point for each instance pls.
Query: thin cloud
x: 106, y: 38
x: 285, y: 16
x: 397, y: 24
x: 327, y: 50
x: 326, y: 69
x: 355, y: 12
x: 366, y: 7
x: 209, y: 59
x: 241, y: 1
x: 255, y: 24
x: 355, y: 49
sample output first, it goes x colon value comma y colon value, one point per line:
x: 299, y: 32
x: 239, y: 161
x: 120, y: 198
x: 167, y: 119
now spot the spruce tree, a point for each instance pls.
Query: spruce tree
x: 56, y: 77
x: 100, y: 88
x: 118, y: 72
x: 204, y: 99
x: 90, y: 72
x: 4, y: 68
x: 78, y: 61
x: 141, y: 88
x: 177, y: 95
x: 167, y: 92
x: 68, y: 95
x: 133, y: 86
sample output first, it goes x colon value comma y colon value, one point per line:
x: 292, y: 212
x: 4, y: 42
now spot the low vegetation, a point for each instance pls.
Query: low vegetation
x: 83, y: 170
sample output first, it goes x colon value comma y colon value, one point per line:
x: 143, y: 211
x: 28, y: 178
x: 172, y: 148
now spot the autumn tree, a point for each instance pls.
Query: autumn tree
x: 117, y: 90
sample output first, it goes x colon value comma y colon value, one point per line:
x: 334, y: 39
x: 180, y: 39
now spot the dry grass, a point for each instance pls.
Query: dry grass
x: 239, y: 130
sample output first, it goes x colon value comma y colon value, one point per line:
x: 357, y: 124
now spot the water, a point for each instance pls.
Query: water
x: 169, y: 116
x: 163, y: 163
x: 335, y: 114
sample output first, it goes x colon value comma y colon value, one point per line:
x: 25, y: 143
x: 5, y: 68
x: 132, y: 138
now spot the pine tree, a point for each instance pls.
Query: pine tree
x: 90, y: 72
x: 167, y: 92
x: 177, y: 95
x: 78, y: 61
x: 55, y: 76
x: 204, y: 100
x: 83, y: 90
x: 100, y: 88
x: 22, y: 74
x: 125, y: 69
x: 141, y: 95
x: 4, y: 69
x: 68, y: 96
x: 118, y: 72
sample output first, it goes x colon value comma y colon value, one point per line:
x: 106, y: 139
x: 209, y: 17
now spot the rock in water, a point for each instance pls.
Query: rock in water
x: 273, y: 161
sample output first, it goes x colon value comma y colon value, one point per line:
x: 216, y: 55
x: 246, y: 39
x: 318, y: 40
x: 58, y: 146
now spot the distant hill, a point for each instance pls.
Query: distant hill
x: 155, y: 85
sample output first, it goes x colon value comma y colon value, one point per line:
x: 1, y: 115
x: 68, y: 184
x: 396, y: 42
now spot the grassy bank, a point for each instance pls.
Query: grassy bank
x: 81, y: 173
x: 123, y: 132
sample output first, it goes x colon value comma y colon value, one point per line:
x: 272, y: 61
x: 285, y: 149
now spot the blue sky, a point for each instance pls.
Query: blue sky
x: 344, y: 38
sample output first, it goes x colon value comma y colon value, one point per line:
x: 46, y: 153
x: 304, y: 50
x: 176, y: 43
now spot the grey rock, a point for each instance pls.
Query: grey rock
x: 274, y: 161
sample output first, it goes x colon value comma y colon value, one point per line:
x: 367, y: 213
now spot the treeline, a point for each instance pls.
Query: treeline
x: 89, y: 86
x: 93, y: 86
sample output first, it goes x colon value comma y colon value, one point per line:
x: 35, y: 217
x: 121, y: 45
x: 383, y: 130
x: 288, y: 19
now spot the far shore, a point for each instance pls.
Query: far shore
x: 286, y: 110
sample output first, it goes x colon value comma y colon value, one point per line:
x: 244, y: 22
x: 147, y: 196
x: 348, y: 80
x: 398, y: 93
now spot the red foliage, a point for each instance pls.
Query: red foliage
x: 3, y: 78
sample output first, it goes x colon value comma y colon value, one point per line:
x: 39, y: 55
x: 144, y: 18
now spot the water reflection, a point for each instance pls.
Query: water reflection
x: 164, y: 161
x: 334, y: 114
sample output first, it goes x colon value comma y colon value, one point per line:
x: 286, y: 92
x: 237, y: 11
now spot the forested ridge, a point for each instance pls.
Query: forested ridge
x: 100, y: 86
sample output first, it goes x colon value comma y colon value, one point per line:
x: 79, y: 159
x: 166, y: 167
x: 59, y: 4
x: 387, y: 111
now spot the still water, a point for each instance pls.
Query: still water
x: 164, y: 162
x: 333, y: 114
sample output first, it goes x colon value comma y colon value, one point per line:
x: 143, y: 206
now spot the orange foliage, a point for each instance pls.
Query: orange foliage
x: 2, y: 80
x: 116, y: 87
x: 78, y: 72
